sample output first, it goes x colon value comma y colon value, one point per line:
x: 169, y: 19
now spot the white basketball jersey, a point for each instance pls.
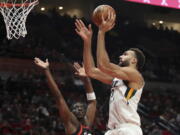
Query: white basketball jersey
x: 123, y: 105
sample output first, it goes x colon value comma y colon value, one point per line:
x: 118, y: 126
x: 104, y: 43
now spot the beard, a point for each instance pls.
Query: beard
x: 124, y: 63
x: 78, y: 114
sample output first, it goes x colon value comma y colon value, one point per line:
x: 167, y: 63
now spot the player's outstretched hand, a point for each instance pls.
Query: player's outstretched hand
x: 79, y: 70
x: 109, y: 23
x: 84, y: 32
x: 42, y: 64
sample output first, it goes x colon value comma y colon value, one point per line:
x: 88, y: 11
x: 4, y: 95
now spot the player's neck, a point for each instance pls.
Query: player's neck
x: 133, y: 66
x: 82, y: 121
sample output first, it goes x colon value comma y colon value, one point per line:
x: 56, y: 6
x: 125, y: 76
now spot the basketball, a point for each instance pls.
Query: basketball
x: 99, y: 11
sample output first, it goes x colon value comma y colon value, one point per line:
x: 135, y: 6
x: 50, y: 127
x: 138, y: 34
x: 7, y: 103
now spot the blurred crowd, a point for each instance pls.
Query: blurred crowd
x: 27, y: 107
x: 52, y: 35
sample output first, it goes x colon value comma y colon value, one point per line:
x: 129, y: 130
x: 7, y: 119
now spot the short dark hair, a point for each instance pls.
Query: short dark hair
x: 72, y: 105
x: 140, y: 58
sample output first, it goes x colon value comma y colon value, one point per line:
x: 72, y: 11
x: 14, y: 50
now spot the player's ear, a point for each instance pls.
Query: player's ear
x: 134, y: 60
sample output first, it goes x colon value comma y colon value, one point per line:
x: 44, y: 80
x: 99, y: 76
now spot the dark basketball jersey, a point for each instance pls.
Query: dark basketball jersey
x: 83, y: 130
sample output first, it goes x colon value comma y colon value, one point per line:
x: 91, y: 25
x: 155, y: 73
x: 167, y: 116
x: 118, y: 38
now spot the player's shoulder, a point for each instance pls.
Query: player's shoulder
x: 132, y: 72
x: 135, y: 76
x: 129, y: 70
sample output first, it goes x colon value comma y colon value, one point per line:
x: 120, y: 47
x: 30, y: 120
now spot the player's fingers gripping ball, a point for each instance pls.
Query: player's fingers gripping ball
x: 102, y: 10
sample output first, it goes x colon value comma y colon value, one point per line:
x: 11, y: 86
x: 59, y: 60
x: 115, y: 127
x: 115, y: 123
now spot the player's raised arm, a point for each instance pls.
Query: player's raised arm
x: 103, y: 60
x: 86, y: 35
x: 91, y: 109
x: 69, y: 120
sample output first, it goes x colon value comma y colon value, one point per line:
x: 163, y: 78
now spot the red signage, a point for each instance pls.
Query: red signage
x: 164, y: 3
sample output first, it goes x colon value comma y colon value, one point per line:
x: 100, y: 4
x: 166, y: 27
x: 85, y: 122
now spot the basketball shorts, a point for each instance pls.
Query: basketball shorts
x: 125, y: 129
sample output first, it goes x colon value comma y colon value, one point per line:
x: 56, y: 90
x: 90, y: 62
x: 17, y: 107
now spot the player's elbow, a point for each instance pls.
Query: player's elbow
x: 88, y: 72
x: 103, y: 67
x: 91, y: 73
x: 100, y: 65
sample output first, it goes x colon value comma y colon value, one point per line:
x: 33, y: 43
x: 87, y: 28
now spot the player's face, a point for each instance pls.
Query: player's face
x: 125, y: 58
x: 78, y: 110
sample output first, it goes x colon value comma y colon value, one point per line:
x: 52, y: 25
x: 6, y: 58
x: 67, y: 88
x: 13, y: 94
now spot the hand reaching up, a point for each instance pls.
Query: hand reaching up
x: 109, y: 23
x: 80, y: 71
x: 42, y: 64
x: 84, y: 32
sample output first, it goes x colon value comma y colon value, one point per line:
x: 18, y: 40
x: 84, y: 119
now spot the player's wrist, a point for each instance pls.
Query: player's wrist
x: 91, y: 96
x: 87, y: 41
x: 101, y: 31
x: 86, y: 78
x: 46, y: 68
x: 83, y: 78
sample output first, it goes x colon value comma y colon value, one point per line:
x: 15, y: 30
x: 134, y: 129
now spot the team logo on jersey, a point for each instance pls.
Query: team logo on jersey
x: 115, y: 83
x: 130, y: 92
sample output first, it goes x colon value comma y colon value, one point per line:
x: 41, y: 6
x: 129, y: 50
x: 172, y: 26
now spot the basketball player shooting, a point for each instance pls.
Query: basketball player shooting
x: 125, y: 78
x: 77, y: 122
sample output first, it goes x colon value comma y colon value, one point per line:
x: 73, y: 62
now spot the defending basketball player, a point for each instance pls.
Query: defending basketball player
x: 79, y: 121
x: 126, y: 79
